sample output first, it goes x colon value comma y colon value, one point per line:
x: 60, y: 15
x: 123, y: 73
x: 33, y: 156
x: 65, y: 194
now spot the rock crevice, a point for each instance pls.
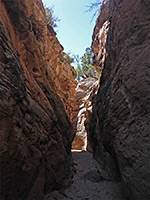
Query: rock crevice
x: 38, y: 95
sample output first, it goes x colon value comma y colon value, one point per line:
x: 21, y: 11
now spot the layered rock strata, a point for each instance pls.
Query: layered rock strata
x: 120, y: 123
x: 85, y: 92
x: 36, y: 132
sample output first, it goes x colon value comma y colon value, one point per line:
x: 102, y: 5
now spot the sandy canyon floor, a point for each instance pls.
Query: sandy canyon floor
x: 87, y: 182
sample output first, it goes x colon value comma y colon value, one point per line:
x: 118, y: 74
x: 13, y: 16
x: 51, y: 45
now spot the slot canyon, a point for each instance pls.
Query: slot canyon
x: 66, y: 139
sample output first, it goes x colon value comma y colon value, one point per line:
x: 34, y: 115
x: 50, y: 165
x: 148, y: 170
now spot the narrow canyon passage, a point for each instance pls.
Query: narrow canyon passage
x: 44, y: 110
x: 87, y: 183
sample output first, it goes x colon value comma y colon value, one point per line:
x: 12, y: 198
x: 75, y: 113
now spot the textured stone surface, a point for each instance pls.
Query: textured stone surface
x: 99, y: 37
x: 120, y: 125
x: 85, y: 92
x: 35, y: 130
x: 40, y: 41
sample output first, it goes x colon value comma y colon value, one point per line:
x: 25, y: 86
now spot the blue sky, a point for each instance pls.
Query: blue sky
x: 75, y: 30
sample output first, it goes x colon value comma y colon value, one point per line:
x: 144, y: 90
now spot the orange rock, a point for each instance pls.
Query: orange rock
x: 36, y: 131
x: 85, y: 92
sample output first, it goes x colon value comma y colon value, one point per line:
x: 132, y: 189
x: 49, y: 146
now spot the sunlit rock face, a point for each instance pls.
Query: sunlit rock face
x: 120, y: 123
x: 99, y: 37
x: 85, y: 92
x: 36, y: 132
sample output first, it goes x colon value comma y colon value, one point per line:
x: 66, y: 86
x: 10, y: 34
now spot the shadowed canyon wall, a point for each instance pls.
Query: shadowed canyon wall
x: 120, y: 124
x: 36, y: 132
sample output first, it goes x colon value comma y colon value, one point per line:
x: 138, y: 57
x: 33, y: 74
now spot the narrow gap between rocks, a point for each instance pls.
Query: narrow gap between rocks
x: 43, y: 108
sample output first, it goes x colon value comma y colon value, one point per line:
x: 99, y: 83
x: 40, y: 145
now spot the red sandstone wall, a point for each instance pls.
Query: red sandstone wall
x: 36, y: 132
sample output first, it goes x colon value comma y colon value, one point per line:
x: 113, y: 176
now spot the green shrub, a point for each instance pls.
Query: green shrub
x: 85, y: 66
x: 51, y: 19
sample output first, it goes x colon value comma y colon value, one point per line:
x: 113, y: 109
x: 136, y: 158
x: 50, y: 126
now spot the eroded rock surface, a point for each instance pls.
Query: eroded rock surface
x: 85, y: 92
x: 99, y: 37
x: 36, y: 132
x: 120, y: 124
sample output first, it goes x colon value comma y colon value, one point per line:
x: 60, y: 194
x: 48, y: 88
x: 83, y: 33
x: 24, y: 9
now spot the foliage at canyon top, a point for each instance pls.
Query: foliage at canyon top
x: 83, y: 65
x: 52, y: 20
